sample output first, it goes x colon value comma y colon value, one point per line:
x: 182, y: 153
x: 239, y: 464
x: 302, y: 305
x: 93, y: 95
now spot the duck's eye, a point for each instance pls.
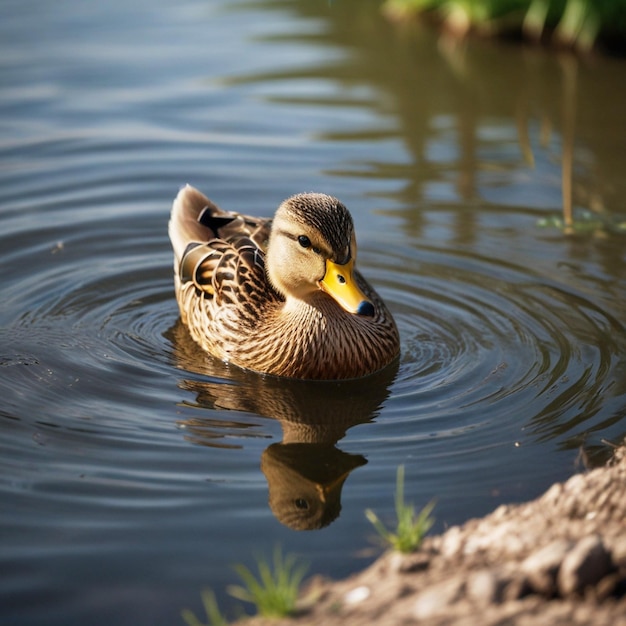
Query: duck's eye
x: 304, y: 241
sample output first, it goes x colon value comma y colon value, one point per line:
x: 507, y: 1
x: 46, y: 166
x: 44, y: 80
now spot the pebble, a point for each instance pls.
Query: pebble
x: 482, y: 587
x: 553, y: 494
x: 506, y: 535
x: 416, y: 562
x: 541, y: 567
x: 576, y: 484
x: 396, y: 562
x: 437, y: 598
x: 452, y: 542
x: 357, y: 595
x: 500, y: 512
x: 584, y: 565
x: 618, y: 550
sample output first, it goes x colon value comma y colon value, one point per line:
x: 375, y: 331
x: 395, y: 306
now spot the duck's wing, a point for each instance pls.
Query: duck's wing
x: 195, y: 219
x: 221, y: 252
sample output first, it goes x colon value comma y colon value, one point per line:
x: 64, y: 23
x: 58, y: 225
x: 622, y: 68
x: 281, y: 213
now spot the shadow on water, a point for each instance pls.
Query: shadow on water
x: 306, y: 471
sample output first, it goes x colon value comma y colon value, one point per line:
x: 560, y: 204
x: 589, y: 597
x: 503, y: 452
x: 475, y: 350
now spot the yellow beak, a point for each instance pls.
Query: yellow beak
x: 339, y: 283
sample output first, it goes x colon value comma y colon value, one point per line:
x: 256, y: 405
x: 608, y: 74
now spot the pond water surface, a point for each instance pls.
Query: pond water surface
x: 134, y: 471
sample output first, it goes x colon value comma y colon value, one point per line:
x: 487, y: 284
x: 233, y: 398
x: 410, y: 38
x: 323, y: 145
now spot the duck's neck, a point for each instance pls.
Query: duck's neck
x: 313, y: 309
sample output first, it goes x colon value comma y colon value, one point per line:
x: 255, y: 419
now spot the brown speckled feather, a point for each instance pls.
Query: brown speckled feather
x: 234, y: 313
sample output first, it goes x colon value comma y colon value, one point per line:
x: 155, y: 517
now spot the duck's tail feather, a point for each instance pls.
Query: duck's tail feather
x: 184, y: 225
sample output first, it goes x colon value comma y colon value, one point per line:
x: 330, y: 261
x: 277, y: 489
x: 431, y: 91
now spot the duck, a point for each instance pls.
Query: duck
x: 280, y: 296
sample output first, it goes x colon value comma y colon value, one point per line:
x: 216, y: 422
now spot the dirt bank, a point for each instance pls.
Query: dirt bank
x: 560, y: 559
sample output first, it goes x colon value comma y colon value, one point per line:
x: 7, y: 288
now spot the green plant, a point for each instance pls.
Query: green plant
x: 575, y: 23
x: 274, y: 593
x: 214, y: 616
x: 410, y: 529
x: 276, y: 590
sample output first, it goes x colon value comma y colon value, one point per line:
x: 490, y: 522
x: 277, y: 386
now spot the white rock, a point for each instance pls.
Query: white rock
x: 357, y: 595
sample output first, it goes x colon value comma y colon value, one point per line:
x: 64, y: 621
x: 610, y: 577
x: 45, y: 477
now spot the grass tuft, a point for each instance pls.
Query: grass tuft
x: 411, y: 528
x: 275, y: 591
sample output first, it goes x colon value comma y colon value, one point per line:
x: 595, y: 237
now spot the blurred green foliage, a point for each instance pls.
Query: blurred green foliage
x: 579, y: 24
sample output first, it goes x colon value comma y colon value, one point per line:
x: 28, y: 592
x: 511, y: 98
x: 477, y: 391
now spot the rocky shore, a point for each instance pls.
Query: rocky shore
x: 560, y: 559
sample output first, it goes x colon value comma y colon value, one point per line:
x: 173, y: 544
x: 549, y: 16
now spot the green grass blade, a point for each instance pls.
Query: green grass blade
x: 275, y: 592
x: 410, y: 528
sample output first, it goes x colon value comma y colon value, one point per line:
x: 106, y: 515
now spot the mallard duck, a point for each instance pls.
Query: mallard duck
x: 279, y: 296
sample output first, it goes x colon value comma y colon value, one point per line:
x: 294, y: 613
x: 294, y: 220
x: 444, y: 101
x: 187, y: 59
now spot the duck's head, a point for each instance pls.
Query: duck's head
x: 312, y: 247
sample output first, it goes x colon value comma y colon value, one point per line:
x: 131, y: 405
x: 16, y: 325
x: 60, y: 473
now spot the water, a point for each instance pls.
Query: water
x: 134, y: 472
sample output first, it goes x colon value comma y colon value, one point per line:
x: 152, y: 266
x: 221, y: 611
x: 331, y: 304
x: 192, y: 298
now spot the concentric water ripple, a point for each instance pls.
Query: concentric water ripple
x: 497, y: 344
x: 489, y: 341
x: 93, y: 362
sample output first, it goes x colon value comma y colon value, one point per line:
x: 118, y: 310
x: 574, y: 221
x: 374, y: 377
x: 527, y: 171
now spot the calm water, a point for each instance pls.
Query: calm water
x: 134, y: 471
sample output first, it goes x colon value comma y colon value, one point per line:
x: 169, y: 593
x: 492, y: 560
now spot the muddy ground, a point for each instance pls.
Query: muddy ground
x: 560, y: 559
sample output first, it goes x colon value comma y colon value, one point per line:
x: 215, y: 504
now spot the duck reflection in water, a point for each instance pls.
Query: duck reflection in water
x: 306, y: 471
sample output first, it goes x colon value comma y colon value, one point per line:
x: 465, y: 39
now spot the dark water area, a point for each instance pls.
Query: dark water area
x: 134, y: 470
